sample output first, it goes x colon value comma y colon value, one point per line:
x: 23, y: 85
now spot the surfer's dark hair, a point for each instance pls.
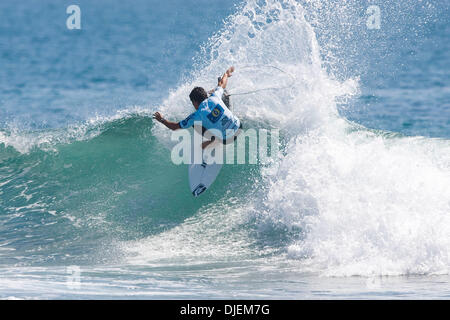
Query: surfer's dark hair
x: 198, y: 94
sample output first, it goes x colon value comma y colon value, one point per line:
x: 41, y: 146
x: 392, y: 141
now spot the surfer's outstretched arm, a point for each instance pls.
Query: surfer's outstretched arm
x: 169, y: 124
x: 224, y: 80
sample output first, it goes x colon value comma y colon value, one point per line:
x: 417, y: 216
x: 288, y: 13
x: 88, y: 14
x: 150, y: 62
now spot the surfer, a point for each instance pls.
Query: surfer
x: 213, y: 112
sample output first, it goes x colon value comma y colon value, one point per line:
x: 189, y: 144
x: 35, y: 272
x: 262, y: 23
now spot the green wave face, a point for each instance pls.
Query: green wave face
x: 118, y: 185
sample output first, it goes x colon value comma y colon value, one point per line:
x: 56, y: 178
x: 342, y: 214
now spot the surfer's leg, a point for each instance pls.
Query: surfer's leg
x: 233, y: 138
x: 209, y: 142
x: 206, y: 143
x: 226, y: 99
x: 202, y: 130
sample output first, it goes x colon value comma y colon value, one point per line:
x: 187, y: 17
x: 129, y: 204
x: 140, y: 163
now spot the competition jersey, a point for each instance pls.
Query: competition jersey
x: 214, y: 114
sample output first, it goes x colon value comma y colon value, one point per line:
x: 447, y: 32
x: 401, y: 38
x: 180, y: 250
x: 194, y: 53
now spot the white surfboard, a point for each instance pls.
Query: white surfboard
x: 201, y: 176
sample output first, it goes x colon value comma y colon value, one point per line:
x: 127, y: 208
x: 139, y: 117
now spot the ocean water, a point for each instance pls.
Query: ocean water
x: 356, y: 206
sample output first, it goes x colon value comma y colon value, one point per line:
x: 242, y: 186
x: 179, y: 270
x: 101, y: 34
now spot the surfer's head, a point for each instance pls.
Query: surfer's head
x: 197, y: 96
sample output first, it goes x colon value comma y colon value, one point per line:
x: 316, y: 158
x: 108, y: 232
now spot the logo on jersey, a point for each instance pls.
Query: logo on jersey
x: 226, y: 122
x: 215, y: 114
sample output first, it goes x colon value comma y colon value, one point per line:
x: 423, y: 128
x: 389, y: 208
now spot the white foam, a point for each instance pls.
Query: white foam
x: 368, y: 203
x: 24, y: 141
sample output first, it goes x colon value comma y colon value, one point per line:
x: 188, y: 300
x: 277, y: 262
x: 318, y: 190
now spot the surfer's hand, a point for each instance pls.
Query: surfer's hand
x: 223, y: 82
x: 158, y: 116
x: 230, y: 71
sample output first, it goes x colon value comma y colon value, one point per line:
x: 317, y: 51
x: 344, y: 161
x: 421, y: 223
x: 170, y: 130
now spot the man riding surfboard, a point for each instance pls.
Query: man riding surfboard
x: 212, y: 112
